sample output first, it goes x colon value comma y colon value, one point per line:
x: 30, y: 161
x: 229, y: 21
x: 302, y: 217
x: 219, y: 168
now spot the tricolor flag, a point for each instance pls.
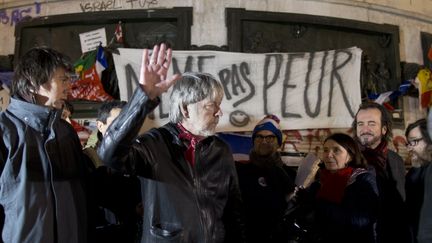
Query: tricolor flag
x: 240, y: 145
x: 89, y: 85
x: 101, y: 61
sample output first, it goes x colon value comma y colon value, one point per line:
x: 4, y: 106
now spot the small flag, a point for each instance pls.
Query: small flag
x: 119, y: 33
x: 240, y: 145
x: 89, y: 85
x: 101, y: 61
x: 383, y: 97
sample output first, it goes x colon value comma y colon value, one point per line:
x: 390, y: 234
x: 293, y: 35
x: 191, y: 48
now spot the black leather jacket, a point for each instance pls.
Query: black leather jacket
x: 181, y: 203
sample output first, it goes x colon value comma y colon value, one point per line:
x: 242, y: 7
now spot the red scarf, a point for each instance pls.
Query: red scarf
x: 333, y: 184
x: 192, y: 140
x: 377, y: 156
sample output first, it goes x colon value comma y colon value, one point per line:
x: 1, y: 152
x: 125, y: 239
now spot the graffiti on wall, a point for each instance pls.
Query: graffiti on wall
x: 109, y: 5
x: 15, y: 15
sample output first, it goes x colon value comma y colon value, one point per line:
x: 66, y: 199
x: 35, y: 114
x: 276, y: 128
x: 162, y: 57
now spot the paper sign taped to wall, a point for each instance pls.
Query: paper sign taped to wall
x: 91, y: 40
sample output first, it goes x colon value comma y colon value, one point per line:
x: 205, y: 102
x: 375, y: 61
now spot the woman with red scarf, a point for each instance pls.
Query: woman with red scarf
x: 345, y: 197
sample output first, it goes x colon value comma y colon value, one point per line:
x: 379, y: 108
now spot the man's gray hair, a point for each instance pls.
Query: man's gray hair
x: 190, y: 89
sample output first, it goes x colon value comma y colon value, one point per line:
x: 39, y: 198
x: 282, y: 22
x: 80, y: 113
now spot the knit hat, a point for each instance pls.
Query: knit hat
x: 269, y: 123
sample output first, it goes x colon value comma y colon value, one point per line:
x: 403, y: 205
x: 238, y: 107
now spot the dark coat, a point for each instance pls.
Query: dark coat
x: 264, y: 192
x: 354, y: 219
x: 425, y: 222
x: 42, y: 174
x: 182, y: 203
x: 392, y: 225
x: 414, y: 188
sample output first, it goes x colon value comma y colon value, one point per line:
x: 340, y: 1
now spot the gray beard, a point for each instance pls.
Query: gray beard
x: 368, y: 142
x: 419, y: 161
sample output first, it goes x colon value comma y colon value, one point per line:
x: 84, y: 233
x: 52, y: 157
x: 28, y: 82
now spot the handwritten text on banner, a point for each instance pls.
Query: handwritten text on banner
x: 306, y: 90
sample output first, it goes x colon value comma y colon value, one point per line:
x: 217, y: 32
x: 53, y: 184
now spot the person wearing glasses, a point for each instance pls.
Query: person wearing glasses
x: 372, y: 129
x: 425, y: 224
x: 43, y: 169
x: 419, y: 145
x: 265, y: 182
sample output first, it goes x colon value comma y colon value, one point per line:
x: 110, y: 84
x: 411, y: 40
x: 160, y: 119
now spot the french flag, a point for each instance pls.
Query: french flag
x: 240, y: 145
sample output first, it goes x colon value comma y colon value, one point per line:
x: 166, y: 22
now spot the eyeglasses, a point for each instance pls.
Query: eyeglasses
x: 268, y: 138
x: 413, y: 142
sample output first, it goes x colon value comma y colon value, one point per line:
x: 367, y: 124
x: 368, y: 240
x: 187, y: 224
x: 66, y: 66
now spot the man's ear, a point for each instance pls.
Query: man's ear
x: 99, y: 125
x: 384, y: 130
x: 184, y: 110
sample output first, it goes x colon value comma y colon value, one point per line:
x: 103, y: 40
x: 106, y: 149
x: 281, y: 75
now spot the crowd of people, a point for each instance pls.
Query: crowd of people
x: 180, y: 183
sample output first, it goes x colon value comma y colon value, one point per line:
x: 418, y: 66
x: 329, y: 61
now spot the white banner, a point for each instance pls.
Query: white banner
x: 305, y: 90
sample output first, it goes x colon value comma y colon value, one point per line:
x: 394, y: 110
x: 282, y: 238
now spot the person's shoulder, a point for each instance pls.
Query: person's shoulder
x: 394, y: 159
x: 3, y: 118
x: 361, y: 175
x: 156, y: 135
x: 392, y: 155
x: 220, y: 142
x: 8, y: 121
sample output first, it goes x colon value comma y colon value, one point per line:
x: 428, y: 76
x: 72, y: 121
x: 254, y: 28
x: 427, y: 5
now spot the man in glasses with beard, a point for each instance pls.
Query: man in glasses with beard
x: 372, y: 128
x: 265, y: 183
x: 419, y: 144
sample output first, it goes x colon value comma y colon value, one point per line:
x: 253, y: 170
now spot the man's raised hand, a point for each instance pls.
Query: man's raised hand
x: 154, y: 68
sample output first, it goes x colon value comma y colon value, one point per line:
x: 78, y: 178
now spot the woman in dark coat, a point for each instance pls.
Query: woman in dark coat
x: 345, y: 197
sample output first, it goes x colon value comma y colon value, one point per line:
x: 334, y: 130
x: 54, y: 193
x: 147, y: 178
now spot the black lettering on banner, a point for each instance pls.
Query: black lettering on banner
x: 131, y: 77
x: 235, y: 80
x: 287, y: 86
x: 278, y: 61
x: 309, y: 112
x: 335, y: 74
x: 201, y: 60
x: 244, y: 72
x: 187, y: 68
x: 224, y: 77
